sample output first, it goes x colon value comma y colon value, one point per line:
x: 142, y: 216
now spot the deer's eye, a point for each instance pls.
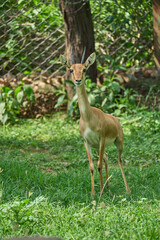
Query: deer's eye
x: 84, y: 70
x: 71, y: 70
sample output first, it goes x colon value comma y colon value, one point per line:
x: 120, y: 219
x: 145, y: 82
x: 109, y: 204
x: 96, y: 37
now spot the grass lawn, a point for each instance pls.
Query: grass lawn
x: 45, y: 186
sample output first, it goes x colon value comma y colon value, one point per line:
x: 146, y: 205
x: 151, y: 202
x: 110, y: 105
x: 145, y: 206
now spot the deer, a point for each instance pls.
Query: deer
x: 98, y: 129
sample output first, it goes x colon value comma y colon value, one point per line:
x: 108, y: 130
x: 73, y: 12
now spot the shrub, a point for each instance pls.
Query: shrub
x: 11, y: 101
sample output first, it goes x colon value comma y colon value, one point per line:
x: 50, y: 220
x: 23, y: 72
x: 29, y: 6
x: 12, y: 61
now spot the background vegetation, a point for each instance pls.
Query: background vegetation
x: 32, y: 34
x: 32, y: 38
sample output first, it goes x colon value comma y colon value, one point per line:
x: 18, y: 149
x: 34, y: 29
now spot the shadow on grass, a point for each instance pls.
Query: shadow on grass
x: 23, y: 159
x: 22, y: 180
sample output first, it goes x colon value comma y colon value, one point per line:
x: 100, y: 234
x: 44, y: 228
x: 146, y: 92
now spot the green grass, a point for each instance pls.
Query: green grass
x: 45, y: 181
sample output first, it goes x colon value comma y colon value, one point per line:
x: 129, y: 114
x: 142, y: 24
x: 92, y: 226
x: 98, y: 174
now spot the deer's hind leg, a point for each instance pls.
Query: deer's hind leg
x: 119, y: 145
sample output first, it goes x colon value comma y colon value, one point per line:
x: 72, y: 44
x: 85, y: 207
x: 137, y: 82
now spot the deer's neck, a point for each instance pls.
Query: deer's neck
x: 84, y: 106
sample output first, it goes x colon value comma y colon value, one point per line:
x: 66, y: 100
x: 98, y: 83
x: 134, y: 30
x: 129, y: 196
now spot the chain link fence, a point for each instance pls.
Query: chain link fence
x: 32, y: 35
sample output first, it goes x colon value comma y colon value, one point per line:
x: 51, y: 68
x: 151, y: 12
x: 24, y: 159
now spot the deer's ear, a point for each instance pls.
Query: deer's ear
x: 64, y: 61
x: 90, y: 60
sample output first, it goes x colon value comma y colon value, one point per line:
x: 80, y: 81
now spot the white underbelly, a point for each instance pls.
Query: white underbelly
x: 93, y: 138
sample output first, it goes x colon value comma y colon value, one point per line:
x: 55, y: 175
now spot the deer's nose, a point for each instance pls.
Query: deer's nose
x: 78, y: 82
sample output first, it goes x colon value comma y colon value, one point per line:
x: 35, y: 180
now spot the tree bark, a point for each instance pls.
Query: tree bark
x: 78, y: 31
x: 156, y: 27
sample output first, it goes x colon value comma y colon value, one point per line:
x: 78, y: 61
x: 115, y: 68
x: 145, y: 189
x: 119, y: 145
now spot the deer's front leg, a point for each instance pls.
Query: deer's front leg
x: 101, y: 153
x: 89, y: 154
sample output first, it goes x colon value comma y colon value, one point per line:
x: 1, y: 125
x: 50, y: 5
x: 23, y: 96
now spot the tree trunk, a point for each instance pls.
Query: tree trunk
x: 156, y: 26
x: 79, y: 33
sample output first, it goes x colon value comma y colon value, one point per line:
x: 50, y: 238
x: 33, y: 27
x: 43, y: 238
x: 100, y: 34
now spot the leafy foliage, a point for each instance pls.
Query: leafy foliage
x: 30, y: 35
x: 122, y: 34
x: 11, y: 101
x: 61, y: 93
x: 35, y: 29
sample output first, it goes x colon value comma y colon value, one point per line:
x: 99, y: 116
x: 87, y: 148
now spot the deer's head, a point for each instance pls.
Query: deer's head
x: 78, y: 70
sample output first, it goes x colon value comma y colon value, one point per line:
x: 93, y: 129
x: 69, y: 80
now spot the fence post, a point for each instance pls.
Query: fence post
x: 156, y: 28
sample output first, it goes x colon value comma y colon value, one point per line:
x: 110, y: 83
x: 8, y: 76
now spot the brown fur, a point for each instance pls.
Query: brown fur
x: 97, y: 128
